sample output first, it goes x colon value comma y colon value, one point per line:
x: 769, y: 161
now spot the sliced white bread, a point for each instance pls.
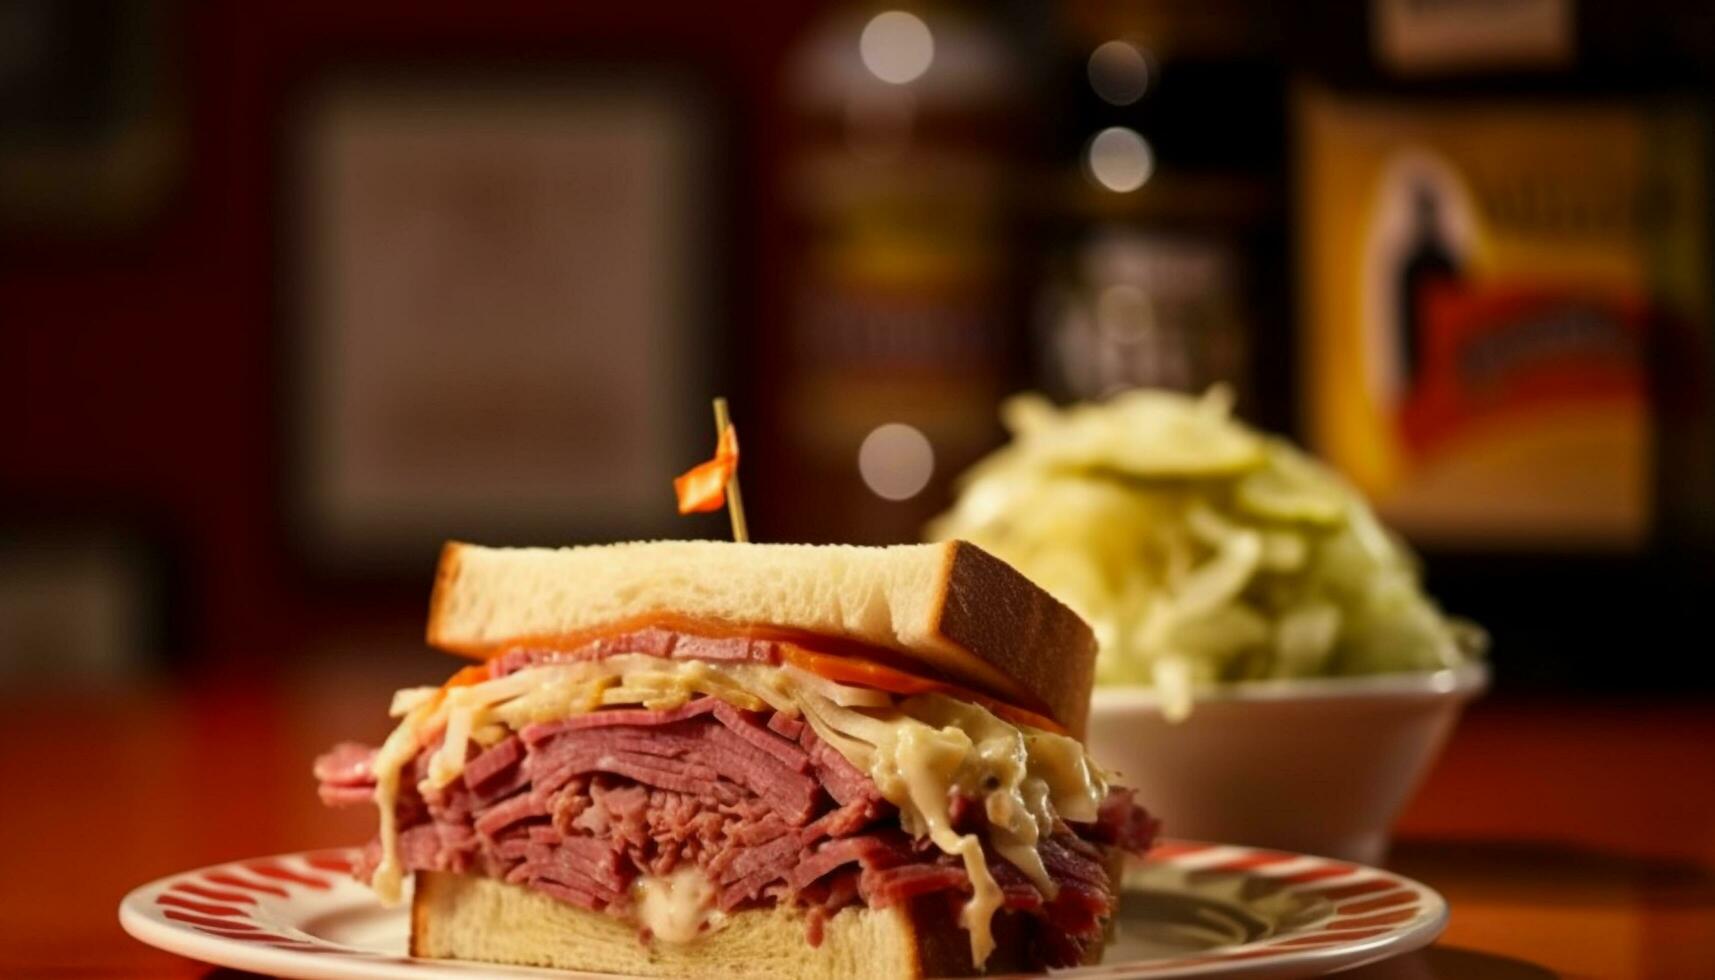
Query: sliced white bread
x: 483, y: 920
x: 952, y: 606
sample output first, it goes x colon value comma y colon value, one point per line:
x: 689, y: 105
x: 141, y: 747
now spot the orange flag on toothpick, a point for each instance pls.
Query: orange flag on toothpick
x: 703, y: 487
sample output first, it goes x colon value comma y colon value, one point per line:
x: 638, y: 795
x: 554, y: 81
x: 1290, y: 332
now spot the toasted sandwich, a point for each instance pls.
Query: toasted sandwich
x: 701, y: 759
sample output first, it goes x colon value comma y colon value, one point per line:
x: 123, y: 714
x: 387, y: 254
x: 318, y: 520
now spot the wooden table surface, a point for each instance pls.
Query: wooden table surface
x: 1572, y: 840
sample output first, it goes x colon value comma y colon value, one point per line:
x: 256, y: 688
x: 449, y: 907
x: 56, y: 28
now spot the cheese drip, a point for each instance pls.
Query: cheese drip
x: 920, y: 751
x: 677, y: 907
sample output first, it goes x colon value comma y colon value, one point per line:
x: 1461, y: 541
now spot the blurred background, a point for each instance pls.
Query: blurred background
x: 290, y: 293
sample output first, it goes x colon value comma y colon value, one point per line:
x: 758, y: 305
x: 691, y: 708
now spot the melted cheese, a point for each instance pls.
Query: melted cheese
x: 924, y: 762
x: 390, y: 761
x: 676, y: 907
x: 930, y: 747
x: 920, y: 751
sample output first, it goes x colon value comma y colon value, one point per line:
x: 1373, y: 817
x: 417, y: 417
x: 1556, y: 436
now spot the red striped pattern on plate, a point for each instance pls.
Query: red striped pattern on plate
x: 223, y: 901
x: 1366, y: 905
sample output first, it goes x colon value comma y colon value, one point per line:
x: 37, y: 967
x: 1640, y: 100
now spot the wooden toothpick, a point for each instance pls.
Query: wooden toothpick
x: 734, y: 501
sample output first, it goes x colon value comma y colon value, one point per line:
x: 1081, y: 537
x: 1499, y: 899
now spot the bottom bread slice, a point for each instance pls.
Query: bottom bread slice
x: 466, y: 917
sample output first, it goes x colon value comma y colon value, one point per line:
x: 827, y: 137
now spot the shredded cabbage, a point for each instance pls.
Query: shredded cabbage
x: 1200, y: 550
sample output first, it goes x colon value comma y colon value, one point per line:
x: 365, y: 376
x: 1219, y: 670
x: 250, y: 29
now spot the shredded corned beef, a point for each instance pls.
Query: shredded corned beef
x: 346, y: 774
x: 579, y: 808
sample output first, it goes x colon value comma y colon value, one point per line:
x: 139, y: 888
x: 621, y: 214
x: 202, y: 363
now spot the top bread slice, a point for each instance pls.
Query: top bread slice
x: 951, y: 606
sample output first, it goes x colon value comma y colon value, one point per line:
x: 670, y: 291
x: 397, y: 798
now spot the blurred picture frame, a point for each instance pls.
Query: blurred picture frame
x: 500, y: 309
x: 1485, y: 284
x: 93, y: 115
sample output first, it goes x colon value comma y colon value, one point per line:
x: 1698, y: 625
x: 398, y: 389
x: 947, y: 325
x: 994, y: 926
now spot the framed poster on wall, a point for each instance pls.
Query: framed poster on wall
x: 1484, y: 285
x: 502, y: 327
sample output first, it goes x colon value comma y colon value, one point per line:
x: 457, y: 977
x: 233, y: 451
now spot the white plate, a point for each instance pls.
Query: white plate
x: 1189, y: 910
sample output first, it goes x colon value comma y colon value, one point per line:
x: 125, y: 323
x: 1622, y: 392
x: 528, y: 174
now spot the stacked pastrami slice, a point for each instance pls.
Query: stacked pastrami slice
x: 579, y: 808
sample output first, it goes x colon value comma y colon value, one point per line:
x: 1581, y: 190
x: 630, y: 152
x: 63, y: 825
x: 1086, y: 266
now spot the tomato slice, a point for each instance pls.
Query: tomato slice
x: 465, y: 677
x: 867, y: 673
x: 854, y: 664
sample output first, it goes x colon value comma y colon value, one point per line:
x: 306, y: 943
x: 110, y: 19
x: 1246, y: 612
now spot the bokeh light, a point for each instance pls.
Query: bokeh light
x: 1120, y: 159
x: 896, y: 461
x: 1119, y: 72
x: 897, y: 47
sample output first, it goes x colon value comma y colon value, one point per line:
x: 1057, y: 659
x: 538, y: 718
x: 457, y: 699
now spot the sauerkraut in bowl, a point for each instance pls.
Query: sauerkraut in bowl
x: 1202, y: 551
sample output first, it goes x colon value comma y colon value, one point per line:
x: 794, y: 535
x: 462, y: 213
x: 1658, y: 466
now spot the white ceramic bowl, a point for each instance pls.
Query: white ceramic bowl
x: 1321, y: 766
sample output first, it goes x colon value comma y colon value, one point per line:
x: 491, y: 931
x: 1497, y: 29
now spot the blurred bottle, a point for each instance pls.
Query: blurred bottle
x: 1163, y: 233
x: 900, y: 327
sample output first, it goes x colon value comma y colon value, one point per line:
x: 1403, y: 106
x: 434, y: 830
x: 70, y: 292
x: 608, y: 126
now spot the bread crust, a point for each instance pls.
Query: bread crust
x: 968, y: 614
x: 447, y: 571
x: 990, y: 610
x: 480, y: 919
